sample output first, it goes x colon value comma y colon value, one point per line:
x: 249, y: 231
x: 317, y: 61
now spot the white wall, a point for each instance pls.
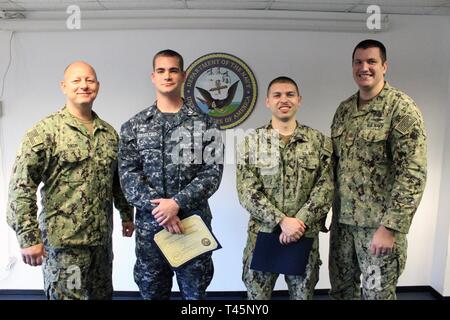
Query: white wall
x: 319, y: 61
x: 441, y: 261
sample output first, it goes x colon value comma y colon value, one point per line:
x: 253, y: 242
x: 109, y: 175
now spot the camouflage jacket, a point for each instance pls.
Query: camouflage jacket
x: 380, y: 160
x: 275, y: 179
x: 80, y: 182
x: 150, y: 166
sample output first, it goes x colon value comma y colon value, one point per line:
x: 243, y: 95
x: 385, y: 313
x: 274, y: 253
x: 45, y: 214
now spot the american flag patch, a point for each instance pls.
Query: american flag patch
x: 405, y: 124
x: 34, y: 137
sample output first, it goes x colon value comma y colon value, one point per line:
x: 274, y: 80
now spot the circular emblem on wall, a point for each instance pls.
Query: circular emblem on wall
x: 223, y: 86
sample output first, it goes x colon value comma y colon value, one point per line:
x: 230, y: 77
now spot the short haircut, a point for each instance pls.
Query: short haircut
x: 282, y: 79
x: 169, y: 53
x: 370, y: 43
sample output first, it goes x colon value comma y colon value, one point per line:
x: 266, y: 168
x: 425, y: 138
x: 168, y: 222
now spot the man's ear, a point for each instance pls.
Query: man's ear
x: 385, y: 66
x: 152, y: 77
x: 62, y: 86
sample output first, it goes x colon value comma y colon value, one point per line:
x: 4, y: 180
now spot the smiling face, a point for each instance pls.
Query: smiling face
x: 283, y: 100
x: 369, y: 70
x: 167, y: 76
x: 80, y: 85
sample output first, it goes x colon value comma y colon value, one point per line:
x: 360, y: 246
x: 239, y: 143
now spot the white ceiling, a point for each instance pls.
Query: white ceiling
x: 413, y: 7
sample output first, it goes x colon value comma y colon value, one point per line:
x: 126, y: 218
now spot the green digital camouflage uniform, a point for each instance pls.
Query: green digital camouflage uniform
x: 294, y: 180
x: 380, y: 168
x: 80, y: 182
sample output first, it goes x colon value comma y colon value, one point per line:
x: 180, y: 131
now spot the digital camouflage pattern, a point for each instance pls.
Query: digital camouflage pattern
x: 379, y: 273
x: 380, y: 154
x: 151, y: 167
x: 260, y: 284
x: 79, y: 273
x: 380, y: 168
x: 79, y: 184
x: 147, y: 168
x: 275, y: 180
x: 154, y: 277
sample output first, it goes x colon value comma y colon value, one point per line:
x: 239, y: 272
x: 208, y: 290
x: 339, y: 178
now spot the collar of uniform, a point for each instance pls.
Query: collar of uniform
x: 73, y: 122
x: 376, y: 104
x: 298, y: 134
x: 185, y: 110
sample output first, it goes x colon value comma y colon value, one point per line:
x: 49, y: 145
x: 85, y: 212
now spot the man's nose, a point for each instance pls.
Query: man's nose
x: 83, y: 84
x: 364, y: 65
x: 167, y: 75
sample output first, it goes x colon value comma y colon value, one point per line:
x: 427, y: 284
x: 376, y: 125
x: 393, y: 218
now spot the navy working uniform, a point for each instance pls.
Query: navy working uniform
x: 149, y: 168
x: 381, y: 167
x: 80, y: 184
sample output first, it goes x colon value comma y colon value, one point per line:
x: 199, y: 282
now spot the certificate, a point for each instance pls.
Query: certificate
x: 181, y: 248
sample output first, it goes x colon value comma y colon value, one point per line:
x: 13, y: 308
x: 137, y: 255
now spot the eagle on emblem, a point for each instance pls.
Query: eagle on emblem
x: 217, y: 103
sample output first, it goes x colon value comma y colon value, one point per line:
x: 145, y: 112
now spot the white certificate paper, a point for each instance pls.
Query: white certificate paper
x: 181, y: 248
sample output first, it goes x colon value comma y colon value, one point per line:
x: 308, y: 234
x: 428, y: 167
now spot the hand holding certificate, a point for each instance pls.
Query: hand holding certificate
x: 181, y: 248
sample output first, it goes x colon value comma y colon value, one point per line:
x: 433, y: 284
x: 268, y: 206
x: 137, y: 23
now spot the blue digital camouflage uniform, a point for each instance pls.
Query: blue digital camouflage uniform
x: 380, y: 167
x: 275, y: 180
x: 149, y: 169
x: 80, y: 183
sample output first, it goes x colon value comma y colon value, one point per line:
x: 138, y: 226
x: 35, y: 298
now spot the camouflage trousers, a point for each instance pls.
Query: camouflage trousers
x: 153, y: 274
x: 350, y: 257
x: 260, y: 284
x: 78, y: 273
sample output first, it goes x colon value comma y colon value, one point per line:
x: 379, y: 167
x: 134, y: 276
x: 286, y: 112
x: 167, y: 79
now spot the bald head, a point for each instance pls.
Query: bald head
x: 76, y: 65
x: 80, y: 85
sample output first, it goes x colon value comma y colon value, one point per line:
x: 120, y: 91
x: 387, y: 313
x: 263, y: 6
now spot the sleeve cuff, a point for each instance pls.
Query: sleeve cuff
x: 29, y: 239
x: 182, y: 203
x: 304, y: 216
x: 127, y: 215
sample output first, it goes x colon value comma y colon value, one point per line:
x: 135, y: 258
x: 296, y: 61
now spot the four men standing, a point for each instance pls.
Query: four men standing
x: 170, y: 163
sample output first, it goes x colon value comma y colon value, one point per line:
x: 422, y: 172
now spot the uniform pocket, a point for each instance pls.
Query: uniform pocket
x: 308, y: 163
x: 74, y: 165
x: 372, y: 145
x: 307, y: 168
x: 269, y: 176
x: 371, y: 135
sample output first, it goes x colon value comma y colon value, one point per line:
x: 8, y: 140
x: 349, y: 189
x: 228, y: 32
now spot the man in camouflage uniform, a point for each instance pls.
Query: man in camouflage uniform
x: 165, y: 187
x: 284, y: 180
x: 74, y: 154
x: 380, y: 165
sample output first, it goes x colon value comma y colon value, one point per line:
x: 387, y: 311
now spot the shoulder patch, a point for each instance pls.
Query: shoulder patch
x: 34, y: 137
x: 405, y: 124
